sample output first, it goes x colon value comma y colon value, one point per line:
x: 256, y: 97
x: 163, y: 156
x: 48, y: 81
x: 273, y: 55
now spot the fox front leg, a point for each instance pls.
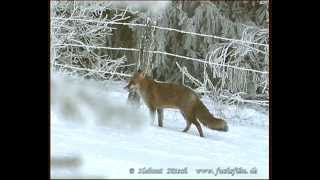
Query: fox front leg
x: 152, y: 114
x: 160, y: 117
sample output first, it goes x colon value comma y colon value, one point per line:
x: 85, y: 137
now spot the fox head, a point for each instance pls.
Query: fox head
x: 135, y: 80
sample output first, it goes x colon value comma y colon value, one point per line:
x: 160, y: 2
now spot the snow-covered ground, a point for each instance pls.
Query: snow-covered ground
x: 92, y: 123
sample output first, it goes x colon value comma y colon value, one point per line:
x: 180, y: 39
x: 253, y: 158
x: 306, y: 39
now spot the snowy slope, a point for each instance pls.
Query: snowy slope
x: 127, y: 139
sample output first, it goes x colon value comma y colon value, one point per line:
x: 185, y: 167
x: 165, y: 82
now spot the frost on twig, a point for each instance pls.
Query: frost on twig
x: 85, y: 32
x: 223, y: 58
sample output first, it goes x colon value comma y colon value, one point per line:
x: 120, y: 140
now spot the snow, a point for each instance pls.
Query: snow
x: 92, y: 123
x: 154, y: 7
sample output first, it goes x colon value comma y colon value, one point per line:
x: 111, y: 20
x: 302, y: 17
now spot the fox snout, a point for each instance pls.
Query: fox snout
x: 131, y: 86
x: 128, y: 87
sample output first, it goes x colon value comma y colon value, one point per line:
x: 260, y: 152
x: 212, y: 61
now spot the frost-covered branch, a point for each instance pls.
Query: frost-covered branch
x: 164, y: 53
x: 216, y: 54
x: 91, y: 70
x: 201, y: 88
x: 97, y: 47
x: 166, y: 28
x: 186, y: 73
x: 86, y: 34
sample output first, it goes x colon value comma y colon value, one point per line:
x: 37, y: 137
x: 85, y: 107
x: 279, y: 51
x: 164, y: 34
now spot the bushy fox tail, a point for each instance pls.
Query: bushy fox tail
x: 207, y: 119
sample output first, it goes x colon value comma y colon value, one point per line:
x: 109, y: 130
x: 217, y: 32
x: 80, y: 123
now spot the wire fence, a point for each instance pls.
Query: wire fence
x: 241, y: 42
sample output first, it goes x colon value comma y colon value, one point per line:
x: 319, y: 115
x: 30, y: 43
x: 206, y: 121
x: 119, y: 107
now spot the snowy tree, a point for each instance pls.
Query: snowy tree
x: 107, y: 39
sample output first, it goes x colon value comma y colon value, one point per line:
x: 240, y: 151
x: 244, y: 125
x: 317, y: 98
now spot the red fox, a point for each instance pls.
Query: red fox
x: 158, y: 95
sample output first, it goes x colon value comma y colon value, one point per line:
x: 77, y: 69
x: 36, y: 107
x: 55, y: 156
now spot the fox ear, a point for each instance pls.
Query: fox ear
x: 142, y: 74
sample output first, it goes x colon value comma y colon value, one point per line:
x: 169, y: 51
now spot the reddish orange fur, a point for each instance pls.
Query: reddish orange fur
x: 158, y: 95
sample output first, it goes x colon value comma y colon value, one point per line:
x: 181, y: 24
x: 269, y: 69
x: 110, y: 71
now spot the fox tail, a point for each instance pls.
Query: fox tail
x: 207, y: 119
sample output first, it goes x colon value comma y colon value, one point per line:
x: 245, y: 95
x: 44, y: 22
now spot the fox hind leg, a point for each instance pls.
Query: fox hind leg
x: 188, y: 119
x: 197, y: 124
x: 187, y: 127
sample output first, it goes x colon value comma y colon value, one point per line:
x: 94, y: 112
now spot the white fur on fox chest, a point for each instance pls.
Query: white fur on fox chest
x: 142, y: 94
